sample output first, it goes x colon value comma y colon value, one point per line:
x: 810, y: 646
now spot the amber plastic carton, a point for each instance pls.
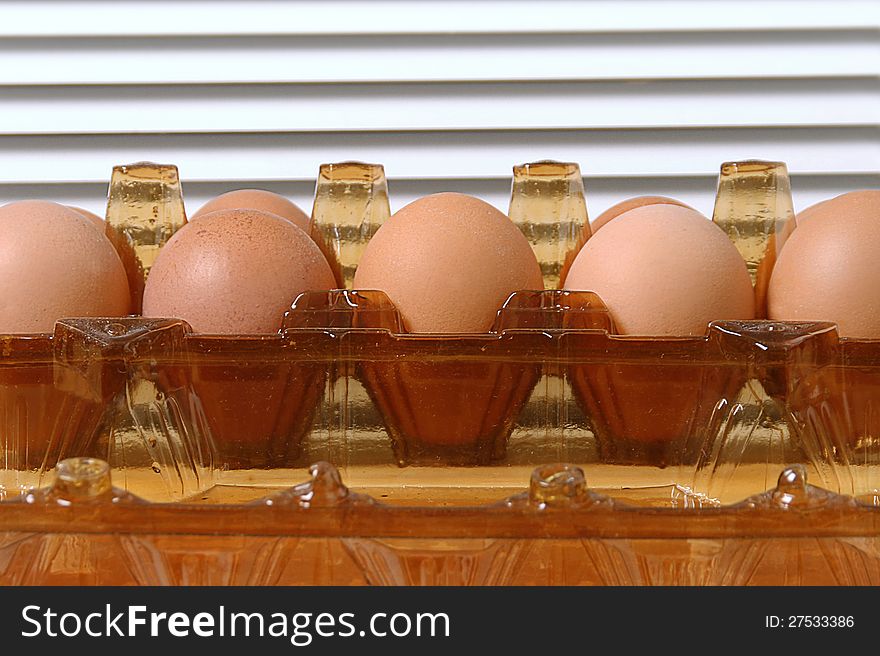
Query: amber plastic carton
x: 832, y: 411
x: 81, y: 530
x: 437, y: 436
x: 60, y: 391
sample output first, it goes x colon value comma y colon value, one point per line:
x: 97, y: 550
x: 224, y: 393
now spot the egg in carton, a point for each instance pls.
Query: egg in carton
x: 455, y: 399
x: 700, y: 408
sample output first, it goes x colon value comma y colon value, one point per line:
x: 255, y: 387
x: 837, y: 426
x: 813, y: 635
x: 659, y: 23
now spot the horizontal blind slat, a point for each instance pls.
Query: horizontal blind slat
x: 537, y: 105
x: 435, y: 58
x: 202, y: 17
x: 480, y: 154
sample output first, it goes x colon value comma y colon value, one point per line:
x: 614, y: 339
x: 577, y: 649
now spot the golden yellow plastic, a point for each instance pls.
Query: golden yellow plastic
x: 144, y: 209
x: 753, y: 206
x: 351, y: 202
x: 546, y: 451
x: 547, y: 204
x: 559, y: 530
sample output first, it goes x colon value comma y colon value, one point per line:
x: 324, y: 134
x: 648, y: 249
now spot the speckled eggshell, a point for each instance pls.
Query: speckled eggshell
x: 854, y: 203
x: 829, y: 269
x: 664, y: 270
x: 630, y: 204
x: 234, y: 272
x: 813, y: 210
x: 448, y: 262
x: 55, y: 265
x: 96, y: 220
x: 257, y: 199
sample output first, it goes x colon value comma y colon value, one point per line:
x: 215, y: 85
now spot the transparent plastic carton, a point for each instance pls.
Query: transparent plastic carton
x: 549, y: 450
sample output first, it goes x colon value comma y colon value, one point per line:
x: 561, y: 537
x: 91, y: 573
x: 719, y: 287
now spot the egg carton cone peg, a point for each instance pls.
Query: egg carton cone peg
x: 144, y: 210
x: 351, y: 203
x: 753, y: 207
x: 547, y: 204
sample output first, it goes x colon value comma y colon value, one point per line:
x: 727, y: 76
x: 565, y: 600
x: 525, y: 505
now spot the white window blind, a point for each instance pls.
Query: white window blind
x: 648, y: 96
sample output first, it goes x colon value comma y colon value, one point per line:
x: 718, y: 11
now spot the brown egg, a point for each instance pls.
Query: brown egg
x: 630, y: 204
x: 96, y: 220
x: 665, y: 270
x: 55, y: 265
x: 813, y: 210
x: 829, y: 269
x: 234, y: 272
x: 852, y: 203
x: 448, y: 262
x: 257, y: 199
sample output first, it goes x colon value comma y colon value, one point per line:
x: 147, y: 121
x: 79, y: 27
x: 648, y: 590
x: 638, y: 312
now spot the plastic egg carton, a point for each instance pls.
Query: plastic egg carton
x: 448, y: 445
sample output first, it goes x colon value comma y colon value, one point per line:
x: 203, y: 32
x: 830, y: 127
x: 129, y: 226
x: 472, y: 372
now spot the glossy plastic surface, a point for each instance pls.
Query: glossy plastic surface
x: 753, y: 206
x: 556, y: 532
x: 144, y: 210
x: 436, y: 436
x: 547, y: 204
x: 351, y: 203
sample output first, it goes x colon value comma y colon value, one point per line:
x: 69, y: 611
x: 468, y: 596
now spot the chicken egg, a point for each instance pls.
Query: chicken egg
x: 828, y: 269
x: 664, y: 270
x: 448, y: 262
x: 96, y: 220
x: 55, y: 265
x: 234, y: 272
x: 257, y: 199
x: 630, y: 204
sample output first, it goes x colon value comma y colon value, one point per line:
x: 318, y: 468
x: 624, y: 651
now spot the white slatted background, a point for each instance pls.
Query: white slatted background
x: 649, y: 96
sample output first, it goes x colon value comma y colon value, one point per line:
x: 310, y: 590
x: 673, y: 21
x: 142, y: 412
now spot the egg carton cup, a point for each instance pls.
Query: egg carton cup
x: 430, y: 419
x: 556, y: 531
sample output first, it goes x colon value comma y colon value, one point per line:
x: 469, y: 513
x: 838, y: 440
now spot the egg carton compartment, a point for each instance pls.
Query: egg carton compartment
x: 554, y: 531
x: 71, y: 393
